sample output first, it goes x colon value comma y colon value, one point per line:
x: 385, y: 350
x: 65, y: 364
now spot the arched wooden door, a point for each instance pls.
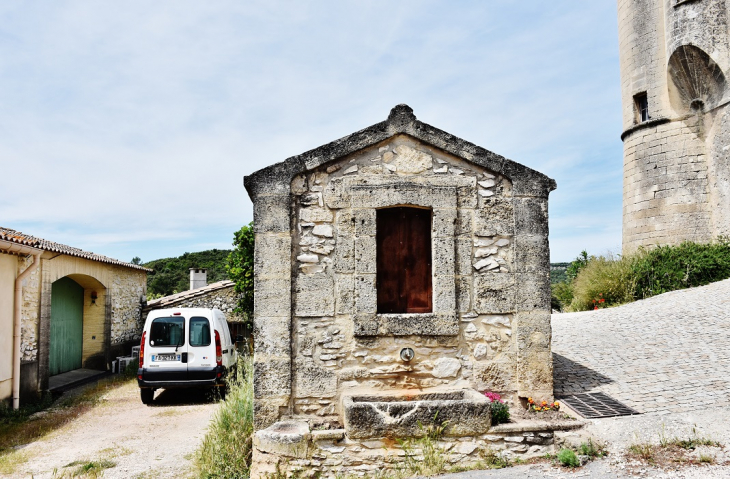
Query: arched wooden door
x: 67, y: 320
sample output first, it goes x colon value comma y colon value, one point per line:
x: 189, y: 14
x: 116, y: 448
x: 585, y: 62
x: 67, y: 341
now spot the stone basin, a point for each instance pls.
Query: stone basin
x: 404, y: 414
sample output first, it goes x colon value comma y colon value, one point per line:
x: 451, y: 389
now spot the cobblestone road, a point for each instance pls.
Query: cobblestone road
x: 666, y: 354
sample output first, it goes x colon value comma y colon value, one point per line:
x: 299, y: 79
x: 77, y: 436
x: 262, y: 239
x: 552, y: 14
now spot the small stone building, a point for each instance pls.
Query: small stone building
x: 397, y: 258
x: 73, y: 309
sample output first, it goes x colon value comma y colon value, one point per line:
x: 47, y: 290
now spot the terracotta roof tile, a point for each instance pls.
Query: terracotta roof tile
x: 24, y: 239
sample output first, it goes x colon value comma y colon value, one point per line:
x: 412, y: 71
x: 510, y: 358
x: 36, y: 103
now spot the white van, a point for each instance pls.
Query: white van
x: 185, y: 347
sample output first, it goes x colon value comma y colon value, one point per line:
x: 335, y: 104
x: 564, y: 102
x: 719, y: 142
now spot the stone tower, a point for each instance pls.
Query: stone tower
x: 675, y: 56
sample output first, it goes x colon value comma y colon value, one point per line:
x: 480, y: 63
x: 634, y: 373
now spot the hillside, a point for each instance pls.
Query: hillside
x: 172, y: 275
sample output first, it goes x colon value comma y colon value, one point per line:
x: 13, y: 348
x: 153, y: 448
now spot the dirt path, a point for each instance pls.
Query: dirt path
x: 143, y: 441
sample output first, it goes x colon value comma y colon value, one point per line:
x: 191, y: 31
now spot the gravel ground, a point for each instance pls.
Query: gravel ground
x: 155, y: 441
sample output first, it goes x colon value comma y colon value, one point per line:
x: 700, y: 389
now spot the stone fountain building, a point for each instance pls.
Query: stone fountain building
x: 399, y: 265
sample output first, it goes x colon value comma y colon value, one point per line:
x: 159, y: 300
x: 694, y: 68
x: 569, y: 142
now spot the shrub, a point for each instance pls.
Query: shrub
x: 668, y: 268
x: 567, y: 458
x: 561, y: 295
x: 604, y: 278
x: 227, y: 448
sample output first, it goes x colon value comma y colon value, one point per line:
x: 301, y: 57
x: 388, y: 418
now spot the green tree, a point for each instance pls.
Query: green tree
x: 136, y: 260
x: 240, y: 269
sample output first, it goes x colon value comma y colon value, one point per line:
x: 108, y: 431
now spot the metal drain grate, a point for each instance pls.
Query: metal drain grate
x: 595, y: 405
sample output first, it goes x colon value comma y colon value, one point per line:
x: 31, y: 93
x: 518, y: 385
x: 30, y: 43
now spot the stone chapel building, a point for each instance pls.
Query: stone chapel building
x: 398, y: 258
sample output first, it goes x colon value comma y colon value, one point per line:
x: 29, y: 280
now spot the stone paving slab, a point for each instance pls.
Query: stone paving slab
x: 666, y: 354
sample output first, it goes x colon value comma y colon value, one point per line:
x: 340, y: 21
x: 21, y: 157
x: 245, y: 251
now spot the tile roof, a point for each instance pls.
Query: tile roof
x: 189, y: 294
x: 24, y: 239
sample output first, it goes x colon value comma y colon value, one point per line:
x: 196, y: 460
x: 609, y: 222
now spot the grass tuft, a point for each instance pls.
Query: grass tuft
x: 567, y: 458
x: 227, y: 447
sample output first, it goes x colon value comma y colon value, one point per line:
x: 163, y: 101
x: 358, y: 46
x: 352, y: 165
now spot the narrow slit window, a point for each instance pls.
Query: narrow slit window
x: 641, y: 106
x: 404, y: 260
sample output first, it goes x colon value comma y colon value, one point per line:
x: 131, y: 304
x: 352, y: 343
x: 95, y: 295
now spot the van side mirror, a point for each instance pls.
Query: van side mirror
x: 239, y: 338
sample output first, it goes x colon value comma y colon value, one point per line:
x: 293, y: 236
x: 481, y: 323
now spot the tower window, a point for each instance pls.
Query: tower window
x: 641, y: 107
x: 403, y: 252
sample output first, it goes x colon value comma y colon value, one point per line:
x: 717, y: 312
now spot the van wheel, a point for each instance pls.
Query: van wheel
x: 147, y: 395
x: 222, y: 391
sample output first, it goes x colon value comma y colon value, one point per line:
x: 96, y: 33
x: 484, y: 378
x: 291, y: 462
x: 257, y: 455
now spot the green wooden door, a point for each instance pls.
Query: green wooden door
x: 67, y: 320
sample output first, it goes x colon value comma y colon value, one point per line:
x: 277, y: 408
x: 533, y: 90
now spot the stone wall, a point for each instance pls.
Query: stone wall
x: 676, y: 179
x: 128, y: 287
x: 316, y: 328
x: 480, y: 256
x: 291, y: 447
x: 30, y: 310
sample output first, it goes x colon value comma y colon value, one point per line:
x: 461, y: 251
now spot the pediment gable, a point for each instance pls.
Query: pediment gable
x: 401, y: 122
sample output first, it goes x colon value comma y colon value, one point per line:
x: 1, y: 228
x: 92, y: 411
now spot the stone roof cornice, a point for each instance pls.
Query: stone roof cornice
x: 401, y: 120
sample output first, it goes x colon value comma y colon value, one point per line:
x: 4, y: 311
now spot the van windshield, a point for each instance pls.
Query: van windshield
x: 167, y: 331
x: 199, y: 331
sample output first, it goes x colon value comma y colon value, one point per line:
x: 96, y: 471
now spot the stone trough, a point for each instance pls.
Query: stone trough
x: 405, y: 414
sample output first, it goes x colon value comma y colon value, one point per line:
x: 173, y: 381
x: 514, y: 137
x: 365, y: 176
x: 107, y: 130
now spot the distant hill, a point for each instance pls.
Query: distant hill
x: 557, y: 272
x: 172, y: 275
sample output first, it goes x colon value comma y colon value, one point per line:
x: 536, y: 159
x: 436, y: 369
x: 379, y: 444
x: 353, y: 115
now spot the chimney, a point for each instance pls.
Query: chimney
x: 198, y: 278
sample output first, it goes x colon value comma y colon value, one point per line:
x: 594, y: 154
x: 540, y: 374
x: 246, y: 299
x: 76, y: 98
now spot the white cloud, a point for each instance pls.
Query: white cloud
x: 137, y: 121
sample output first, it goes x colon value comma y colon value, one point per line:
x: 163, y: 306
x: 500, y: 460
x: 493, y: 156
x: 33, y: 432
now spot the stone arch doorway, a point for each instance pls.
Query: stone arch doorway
x: 79, y: 324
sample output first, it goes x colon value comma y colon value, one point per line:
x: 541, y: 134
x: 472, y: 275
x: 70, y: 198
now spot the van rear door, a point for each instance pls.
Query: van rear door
x: 201, y: 351
x: 168, y: 349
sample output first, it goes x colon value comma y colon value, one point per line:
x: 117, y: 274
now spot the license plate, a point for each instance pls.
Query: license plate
x: 166, y: 357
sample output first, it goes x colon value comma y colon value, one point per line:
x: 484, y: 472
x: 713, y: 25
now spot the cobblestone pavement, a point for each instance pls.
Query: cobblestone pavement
x: 666, y: 354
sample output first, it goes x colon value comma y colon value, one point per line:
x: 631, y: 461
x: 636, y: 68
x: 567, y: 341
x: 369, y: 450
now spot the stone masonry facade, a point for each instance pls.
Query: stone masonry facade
x: 675, y: 54
x: 317, y: 332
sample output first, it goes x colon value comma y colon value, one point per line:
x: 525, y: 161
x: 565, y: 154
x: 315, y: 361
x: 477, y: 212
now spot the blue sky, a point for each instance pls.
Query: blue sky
x: 127, y: 127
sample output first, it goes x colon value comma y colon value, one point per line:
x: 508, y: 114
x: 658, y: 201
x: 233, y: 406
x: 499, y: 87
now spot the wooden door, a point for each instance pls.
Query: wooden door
x: 404, y: 260
x: 67, y: 319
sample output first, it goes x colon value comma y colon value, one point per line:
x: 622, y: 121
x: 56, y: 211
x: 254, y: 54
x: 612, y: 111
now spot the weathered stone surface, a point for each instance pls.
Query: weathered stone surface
x: 272, y: 378
x: 443, y: 256
x: 446, y: 324
x: 344, y: 261
x: 271, y: 214
x: 345, y: 300
x: 313, y: 380
x: 463, y: 256
x: 411, y: 161
x: 531, y: 216
x: 464, y: 413
x: 271, y: 336
x: 463, y: 293
x: 494, y: 293
x: 446, y: 367
x: 285, y: 439
x: 323, y: 230
x: 496, y: 218
x: 314, y: 295
x: 366, y: 300
x: 273, y: 297
x: 315, y: 215
x: 532, y: 254
x: 533, y: 293
x: 365, y: 219
x: 272, y: 255
x: 365, y: 249
x: 494, y: 375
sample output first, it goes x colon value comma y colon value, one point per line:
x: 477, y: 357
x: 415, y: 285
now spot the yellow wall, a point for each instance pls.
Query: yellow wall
x: 8, y: 271
x: 93, y: 323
